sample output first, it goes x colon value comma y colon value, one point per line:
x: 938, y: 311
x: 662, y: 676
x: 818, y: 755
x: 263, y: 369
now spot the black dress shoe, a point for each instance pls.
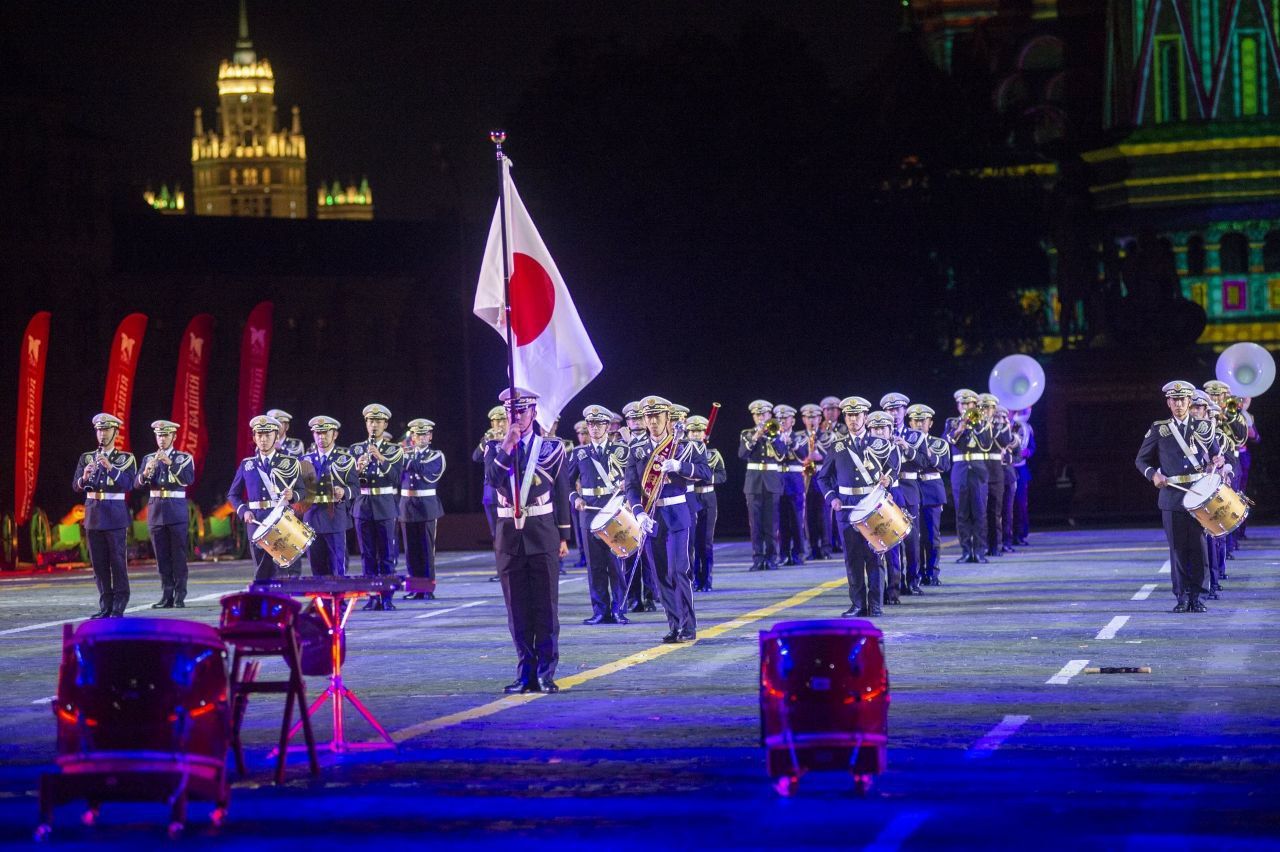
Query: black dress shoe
x: 515, y: 686
x: 1180, y: 606
x: 916, y: 590
x: 179, y: 605
x: 965, y: 557
x: 893, y: 601
x: 163, y: 604
x: 412, y: 596
x: 387, y: 605
x: 1213, y: 594
x: 981, y: 559
x: 797, y: 560
x: 120, y: 614
x: 688, y: 635
x: 619, y: 618
x: 671, y: 638
x: 1194, y: 605
x: 1007, y: 549
x: 429, y: 596
x: 875, y: 611
x: 991, y: 551
x: 371, y: 603
x: 788, y: 561
x: 650, y: 606
x: 102, y: 613
x: 850, y: 612
x: 756, y: 566
x: 546, y: 684
x: 596, y: 619
x: 862, y: 612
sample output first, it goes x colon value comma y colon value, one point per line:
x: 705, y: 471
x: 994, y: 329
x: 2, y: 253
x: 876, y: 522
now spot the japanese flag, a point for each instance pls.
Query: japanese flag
x: 554, y: 357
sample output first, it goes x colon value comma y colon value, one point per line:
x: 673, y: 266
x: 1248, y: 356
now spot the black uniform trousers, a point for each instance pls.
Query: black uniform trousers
x: 640, y: 579
x: 264, y: 565
x: 420, y: 548
x: 969, y: 488
x: 762, y: 512
x: 669, y: 551
x: 377, y: 547
x: 818, y: 520
x: 702, y: 544
x: 791, y: 528
x: 1186, y: 552
x: 1010, y: 491
x: 604, y: 579
x: 994, y: 524
x: 910, y: 546
x: 531, y: 589
x: 110, y: 569
x: 169, y: 543
x: 863, y: 569
x: 930, y: 540
x: 328, y: 554
x: 1021, y: 525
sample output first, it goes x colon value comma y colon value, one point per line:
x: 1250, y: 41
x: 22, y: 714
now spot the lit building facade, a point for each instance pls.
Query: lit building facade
x: 350, y: 202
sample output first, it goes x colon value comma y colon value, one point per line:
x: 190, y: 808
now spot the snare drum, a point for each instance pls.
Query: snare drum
x: 880, y: 520
x: 1216, y: 505
x: 617, y: 527
x: 283, y: 536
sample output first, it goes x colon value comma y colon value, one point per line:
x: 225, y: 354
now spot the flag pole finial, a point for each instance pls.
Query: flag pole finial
x: 497, y: 137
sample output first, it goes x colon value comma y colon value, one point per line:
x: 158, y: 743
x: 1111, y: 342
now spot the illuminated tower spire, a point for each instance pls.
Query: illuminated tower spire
x: 244, y: 54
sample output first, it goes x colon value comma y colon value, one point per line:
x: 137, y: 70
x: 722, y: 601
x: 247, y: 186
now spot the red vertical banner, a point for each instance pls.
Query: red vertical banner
x: 188, y: 390
x: 125, y: 349
x: 26, y: 463
x: 255, y: 351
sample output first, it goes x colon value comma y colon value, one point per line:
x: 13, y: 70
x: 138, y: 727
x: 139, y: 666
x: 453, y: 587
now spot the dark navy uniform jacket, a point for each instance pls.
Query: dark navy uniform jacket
x: 477, y: 455
x: 1161, y: 452
x: 328, y: 514
x: 693, y: 466
x: 912, y: 463
x: 167, y: 479
x: 546, y: 522
x: 934, y: 459
x: 793, y: 464
x: 764, y: 460
x: 972, y: 440
x: 842, y: 478
x: 248, y: 491
x: 104, y: 512
x: 593, y: 489
x: 379, y: 492
x: 422, y: 471
x: 292, y: 447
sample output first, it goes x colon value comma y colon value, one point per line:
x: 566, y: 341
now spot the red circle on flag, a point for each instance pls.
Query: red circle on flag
x: 533, y: 299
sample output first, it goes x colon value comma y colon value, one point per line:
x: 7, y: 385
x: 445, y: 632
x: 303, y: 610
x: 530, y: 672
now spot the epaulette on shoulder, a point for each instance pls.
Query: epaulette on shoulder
x: 1204, y: 428
x: 287, y: 465
x: 619, y: 452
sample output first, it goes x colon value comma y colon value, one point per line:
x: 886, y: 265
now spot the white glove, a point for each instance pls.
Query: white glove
x: 671, y: 466
x: 647, y: 523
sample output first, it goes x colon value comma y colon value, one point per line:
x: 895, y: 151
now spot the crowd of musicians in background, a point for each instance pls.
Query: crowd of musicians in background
x: 802, y: 479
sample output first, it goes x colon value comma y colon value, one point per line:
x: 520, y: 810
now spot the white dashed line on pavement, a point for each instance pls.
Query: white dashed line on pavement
x: 1166, y: 568
x: 1113, y: 627
x: 1145, y: 592
x: 436, y: 612
x: 996, y: 736
x: 1068, y: 671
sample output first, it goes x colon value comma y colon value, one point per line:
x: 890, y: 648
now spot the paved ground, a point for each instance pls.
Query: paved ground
x: 993, y: 742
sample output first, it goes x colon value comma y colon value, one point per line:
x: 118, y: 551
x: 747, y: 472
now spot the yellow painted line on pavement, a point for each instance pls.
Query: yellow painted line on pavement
x: 647, y: 655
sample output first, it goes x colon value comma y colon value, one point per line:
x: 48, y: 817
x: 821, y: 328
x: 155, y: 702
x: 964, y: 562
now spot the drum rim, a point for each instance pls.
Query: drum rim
x: 827, y: 626
x: 149, y: 629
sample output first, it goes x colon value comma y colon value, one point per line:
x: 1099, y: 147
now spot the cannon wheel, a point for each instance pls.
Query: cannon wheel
x: 195, y: 530
x: 41, y: 533
x: 9, y: 542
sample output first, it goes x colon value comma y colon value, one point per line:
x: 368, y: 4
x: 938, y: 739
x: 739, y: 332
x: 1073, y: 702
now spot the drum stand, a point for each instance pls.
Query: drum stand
x: 335, y: 615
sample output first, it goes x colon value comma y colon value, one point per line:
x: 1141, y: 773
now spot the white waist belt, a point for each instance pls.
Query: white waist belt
x: 909, y: 475
x: 155, y: 493
x: 260, y: 504
x: 103, y: 495
x: 418, y: 492
x: 705, y: 489
x: 671, y: 501
x: 1186, y: 477
x: 369, y: 491
x: 928, y: 476
x: 760, y: 466
x: 856, y: 492
x: 795, y: 468
x: 595, y: 492
x: 527, y: 511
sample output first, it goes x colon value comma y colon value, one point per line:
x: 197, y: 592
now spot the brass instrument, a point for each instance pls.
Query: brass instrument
x: 1231, y: 407
x: 973, y: 417
x: 772, y: 428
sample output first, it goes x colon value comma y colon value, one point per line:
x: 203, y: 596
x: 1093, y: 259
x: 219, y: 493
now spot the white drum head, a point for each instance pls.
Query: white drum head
x: 610, y: 509
x: 265, y: 525
x: 1200, y: 491
x: 867, y: 505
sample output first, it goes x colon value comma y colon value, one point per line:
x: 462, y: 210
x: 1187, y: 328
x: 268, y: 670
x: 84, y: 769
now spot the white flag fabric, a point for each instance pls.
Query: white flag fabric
x: 554, y: 357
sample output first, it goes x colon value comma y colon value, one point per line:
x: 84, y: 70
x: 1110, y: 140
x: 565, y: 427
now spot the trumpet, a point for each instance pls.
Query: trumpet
x: 494, y: 433
x: 1231, y: 407
x: 973, y: 417
x: 772, y: 428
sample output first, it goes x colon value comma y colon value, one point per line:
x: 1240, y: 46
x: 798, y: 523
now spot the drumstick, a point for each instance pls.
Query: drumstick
x: 711, y: 420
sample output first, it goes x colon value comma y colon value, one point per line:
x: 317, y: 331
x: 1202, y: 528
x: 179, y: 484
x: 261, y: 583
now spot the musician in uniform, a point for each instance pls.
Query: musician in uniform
x: 329, y: 513
x: 105, y: 476
x: 659, y: 467
x: 285, y: 444
x: 1008, y: 476
x: 497, y: 429
x: 580, y: 521
x: 263, y: 480
x: 933, y: 456
x: 763, y: 449
x: 791, y: 529
x: 618, y: 432
x: 379, y: 466
x: 809, y: 450
x: 1216, y: 548
x: 969, y: 435
x: 1233, y: 429
x: 168, y: 473
x: 1001, y: 437
x: 597, y: 468
x: 844, y: 478
x: 907, y: 493
x: 702, y: 554
x: 831, y: 426
x: 524, y: 467
x: 420, y: 506
x: 1020, y: 426
x: 885, y: 458
x: 1177, y: 452
x: 641, y: 597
